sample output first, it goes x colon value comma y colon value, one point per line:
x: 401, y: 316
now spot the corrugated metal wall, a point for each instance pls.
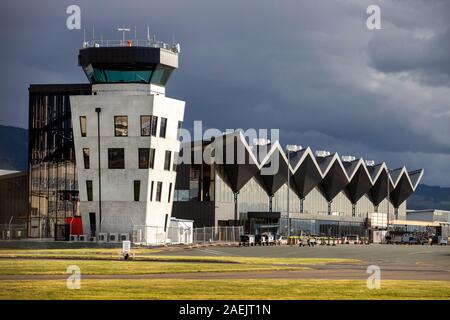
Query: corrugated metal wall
x: 253, y: 198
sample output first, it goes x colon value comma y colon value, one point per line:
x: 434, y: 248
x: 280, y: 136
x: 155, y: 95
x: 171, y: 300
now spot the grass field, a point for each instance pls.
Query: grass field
x: 149, y: 255
x: 98, y: 261
x: 95, y: 267
x: 224, y: 289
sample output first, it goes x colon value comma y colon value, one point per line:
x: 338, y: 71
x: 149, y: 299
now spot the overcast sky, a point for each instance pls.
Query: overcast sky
x: 310, y: 68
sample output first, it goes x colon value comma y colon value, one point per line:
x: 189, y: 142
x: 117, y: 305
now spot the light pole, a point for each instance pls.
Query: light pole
x: 290, y: 148
x: 123, y: 30
x: 388, y: 200
x: 98, y: 110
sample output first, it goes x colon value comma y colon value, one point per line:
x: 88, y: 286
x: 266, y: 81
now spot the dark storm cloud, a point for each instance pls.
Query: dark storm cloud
x: 423, y: 52
x: 310, y: 68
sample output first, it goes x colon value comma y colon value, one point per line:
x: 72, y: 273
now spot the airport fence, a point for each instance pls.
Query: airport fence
x: 152, y: 235
x: 13, y: 231
x: 218, y: 234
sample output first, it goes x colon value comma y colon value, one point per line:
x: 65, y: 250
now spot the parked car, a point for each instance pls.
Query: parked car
x: 351, y: 239
x: 247, y: 240
x: 443, y: 241
x: 270, y: 239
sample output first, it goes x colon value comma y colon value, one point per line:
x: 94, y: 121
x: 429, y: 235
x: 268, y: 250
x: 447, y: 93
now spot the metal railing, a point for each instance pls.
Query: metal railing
x: 210, y: 235
x: 174, y: 48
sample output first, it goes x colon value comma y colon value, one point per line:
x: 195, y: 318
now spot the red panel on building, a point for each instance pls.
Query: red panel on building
x: 77, y: 225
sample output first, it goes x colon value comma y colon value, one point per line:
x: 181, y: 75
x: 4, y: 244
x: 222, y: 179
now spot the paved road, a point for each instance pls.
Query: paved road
x: 437, y: 256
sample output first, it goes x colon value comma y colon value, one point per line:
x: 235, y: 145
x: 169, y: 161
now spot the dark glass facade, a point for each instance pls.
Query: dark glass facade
x: 100, y: 73
x: 13, y: 200
x: 53, y: 185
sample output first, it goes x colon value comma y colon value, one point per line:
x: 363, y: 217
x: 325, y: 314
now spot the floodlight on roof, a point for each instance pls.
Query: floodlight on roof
x: 348, y: 158
x: 261, y: 142
x: 370, y: 163
x: 293, y: 148
x: 322, y: 153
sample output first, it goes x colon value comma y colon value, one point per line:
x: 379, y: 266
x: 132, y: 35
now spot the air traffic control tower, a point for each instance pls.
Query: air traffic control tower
x: 126, y: 138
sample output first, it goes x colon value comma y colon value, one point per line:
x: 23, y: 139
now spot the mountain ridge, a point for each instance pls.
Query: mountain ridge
x: 13, y: 148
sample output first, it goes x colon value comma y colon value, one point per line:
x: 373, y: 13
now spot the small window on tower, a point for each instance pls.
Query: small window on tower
x: 89, y: 190
x: 145, y: 126
x: 121, y: 126
x: 86, y: 158
x: 162, y: 131
x: 116, y: 158
x: 144, y: 156
x: 170, y: 192
x: 83, y: 126
x: 167, y: 160
x: 137, y: 189
x: 158, y: 191
x: 165, y: 222
x: 151, y: 163
x: 180, y: 125
x: 151, y: 190
x: 154, y: 125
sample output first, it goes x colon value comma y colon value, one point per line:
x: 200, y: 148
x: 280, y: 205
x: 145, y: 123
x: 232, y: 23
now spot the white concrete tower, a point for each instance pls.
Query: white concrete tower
x: 131, y: 125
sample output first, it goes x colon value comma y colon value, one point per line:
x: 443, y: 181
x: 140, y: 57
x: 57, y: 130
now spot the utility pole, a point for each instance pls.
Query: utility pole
x: 290, y: 148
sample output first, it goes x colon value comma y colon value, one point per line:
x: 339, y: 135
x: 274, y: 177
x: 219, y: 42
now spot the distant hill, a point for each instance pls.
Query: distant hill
x: 13, y: 148
x: 430, y: 197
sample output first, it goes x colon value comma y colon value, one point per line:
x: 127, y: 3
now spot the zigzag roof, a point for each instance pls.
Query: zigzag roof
x: 329, y: 173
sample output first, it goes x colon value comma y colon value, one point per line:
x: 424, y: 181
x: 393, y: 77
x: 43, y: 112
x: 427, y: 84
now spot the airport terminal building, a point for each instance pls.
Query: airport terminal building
x: 328, y: 194
x: 102, y: 160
